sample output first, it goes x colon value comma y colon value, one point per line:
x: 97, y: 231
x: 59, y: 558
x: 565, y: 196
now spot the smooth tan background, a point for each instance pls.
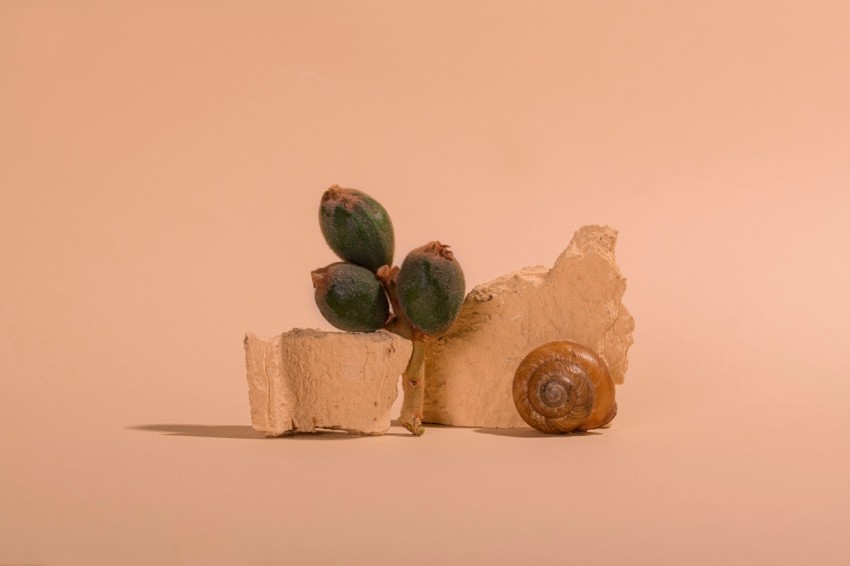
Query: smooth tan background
x: 159, y: 181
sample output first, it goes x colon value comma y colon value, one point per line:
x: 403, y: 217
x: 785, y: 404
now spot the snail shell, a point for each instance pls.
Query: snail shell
x: 564, y: 387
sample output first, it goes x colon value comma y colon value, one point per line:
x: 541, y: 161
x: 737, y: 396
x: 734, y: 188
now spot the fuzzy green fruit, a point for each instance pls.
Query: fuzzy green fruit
x: 350, y: 297
x: 356, y: 227
x: 431, y: 288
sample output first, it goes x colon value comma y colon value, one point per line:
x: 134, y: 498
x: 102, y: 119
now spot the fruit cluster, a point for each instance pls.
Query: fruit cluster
x: 363, y: 292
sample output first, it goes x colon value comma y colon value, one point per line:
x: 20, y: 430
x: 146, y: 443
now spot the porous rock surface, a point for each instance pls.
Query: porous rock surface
x: 307, y: 379
x: 470, y: 369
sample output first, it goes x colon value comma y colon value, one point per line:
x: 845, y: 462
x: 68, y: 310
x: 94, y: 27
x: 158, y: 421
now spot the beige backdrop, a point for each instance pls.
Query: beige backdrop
x: 160, y: 174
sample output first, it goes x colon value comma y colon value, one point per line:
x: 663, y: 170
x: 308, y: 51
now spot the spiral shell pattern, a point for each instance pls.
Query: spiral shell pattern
x: 563, y: 387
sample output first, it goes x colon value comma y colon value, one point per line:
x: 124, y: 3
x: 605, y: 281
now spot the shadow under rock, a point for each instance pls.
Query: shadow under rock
x: 202, y: 431
x: 530, y: 433
x: 246, y: 432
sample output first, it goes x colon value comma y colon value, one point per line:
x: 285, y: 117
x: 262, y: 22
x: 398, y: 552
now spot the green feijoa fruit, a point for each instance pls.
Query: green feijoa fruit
x: 350, y: 297
x: 356, y: 227
x: 431, y: 288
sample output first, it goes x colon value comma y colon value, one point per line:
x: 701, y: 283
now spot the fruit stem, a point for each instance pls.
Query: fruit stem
x: 413, y: 385
x: 398, y: 323
x: 413, y: 378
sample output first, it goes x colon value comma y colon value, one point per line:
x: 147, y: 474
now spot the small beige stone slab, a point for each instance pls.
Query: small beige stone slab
x: 307, y: 379
x: 470, y: 369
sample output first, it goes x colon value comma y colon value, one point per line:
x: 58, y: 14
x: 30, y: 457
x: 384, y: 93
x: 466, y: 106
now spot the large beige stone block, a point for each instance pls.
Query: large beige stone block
x: 308, y: 379
x: 470, y: 369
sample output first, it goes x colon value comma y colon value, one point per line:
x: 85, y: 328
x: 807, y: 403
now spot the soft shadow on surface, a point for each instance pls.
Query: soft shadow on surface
x: 530, y: 433
x: 204, y: 431
x: 245, y: 432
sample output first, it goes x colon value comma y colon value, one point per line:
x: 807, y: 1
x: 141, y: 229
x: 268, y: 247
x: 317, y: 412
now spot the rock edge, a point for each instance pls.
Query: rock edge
x: 470, y: 369
x: 304, y: 380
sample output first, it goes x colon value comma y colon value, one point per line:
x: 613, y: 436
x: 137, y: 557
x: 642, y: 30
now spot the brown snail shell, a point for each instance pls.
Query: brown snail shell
x: 564, y: 387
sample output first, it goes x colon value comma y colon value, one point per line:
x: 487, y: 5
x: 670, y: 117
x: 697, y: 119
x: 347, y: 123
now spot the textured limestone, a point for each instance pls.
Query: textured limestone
x: 308, y: 379
x: 470, y: 369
